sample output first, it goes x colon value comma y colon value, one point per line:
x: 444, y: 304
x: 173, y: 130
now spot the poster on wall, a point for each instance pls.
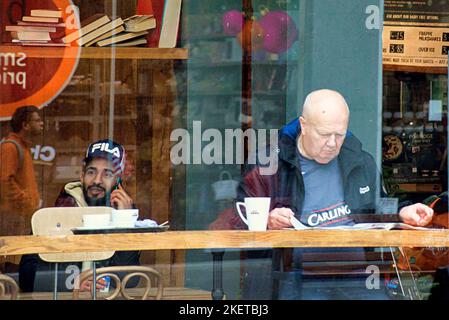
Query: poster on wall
x: 31, y: 71
x: 416, y: 33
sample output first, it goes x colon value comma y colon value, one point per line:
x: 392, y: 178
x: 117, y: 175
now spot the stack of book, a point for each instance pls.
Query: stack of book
x: 100, y: 30
x: 38, y: 29
x: 151, y: 28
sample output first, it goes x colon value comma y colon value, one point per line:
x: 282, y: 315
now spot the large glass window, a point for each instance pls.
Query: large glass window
x: 200, y: 120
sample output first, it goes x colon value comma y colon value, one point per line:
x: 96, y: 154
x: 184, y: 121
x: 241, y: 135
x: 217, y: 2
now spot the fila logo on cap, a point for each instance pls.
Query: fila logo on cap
x: 104, y: 146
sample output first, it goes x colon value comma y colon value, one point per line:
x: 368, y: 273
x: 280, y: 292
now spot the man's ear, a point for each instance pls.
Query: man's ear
x: 302, y: 123
x: 25, y: 125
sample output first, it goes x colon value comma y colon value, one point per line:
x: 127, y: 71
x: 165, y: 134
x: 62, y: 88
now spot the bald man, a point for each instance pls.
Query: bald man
x: 323, y: 178
x: 323, y: 174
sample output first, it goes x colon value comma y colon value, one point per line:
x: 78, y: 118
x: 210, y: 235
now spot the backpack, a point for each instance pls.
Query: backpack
x: 19, y: 151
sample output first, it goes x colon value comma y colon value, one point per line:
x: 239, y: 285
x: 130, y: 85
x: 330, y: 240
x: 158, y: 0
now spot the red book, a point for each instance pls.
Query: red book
x: 156, y: 8
x: 145, y: 7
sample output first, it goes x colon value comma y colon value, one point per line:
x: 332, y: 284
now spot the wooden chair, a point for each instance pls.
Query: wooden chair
x: 8, y: 286
x: 60, y: 221
x: 153, y: 278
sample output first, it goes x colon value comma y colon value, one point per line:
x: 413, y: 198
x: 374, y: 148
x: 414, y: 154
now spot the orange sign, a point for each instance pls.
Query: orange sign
x: 35, y: 75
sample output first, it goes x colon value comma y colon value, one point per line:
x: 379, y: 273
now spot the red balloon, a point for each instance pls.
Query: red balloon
x: 280, y: 31
x: 232, y: 22
x: 251, y: 38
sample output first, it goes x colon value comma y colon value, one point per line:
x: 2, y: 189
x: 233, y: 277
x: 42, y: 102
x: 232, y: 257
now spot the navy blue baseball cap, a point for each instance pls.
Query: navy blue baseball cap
x: 109, y: 150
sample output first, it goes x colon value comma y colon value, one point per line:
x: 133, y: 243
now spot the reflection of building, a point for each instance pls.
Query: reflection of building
x: 415, y: 96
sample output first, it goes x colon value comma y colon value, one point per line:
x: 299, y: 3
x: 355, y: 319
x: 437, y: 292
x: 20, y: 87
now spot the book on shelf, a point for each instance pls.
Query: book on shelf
x: 40, y: 19
x: 30, y: 28
x: 28, y: 41
x: 87, y: 25
x: 46, y: 13
x: 120, y: 37
x: 170, y: 24
x: 139, y: 23
x: 99, y: 31
x: 131, y: 43
x: 106, y: 35
x: 157, y: 10
x: 30, y: 35
x: 41, y: 24
x: 297, y: 225
x: 41, y: 43
x: 145, y: 7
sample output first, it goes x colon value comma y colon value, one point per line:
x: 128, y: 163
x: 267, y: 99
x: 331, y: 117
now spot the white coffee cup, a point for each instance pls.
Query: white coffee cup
x: 257, y: 209
x: 124, y: 218
x: 96, y: 220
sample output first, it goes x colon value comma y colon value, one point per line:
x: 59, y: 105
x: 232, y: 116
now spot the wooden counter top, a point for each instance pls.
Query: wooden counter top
x: 17, y: 245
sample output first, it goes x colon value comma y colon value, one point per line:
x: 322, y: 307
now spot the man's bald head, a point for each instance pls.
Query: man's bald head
x: 324, y: 104
x: 324, y: 122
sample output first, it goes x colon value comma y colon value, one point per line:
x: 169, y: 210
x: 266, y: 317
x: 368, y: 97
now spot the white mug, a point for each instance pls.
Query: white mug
x: 257, y: 209
x: 96, y: 220
x: 124, y: 218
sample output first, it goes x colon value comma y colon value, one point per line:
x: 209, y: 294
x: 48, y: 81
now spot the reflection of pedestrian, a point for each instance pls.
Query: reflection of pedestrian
x: 19, y: 196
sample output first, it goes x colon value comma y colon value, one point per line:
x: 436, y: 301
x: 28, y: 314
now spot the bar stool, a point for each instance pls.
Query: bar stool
x: 8, y: 285
x: 59, y: 221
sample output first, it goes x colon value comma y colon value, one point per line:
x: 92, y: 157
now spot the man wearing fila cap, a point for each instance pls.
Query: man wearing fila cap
x: 100, y: 179
x: 99, y: 185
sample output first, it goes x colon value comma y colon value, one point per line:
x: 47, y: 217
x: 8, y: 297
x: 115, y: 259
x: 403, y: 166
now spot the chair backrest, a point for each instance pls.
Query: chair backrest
x: 152, y: 277
x: 8, y: 286
x: 60, y: 221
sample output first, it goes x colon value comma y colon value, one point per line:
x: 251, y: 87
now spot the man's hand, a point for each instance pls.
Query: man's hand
x: 416, y: 215
x: 280, y: 218
x: 120, y: 199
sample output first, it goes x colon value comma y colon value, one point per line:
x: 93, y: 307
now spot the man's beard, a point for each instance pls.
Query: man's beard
x: 97, y: 202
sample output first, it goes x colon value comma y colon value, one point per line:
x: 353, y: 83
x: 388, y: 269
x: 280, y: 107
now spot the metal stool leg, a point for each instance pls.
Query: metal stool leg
x: 55, y: 284
x: 217, y: 290
x: 94, y: 283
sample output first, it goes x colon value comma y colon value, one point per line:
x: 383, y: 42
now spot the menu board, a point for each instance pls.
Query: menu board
x: 416, y: 33
x: 417, y: 46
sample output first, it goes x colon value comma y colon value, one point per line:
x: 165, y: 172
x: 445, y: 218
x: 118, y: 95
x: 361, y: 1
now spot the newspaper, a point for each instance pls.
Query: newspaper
x: 360, y: 226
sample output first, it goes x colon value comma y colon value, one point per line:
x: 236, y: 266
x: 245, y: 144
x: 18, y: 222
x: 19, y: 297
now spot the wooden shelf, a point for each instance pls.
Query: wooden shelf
x: 99, y: 53
x: 434, y: 70
x: 420, y: 187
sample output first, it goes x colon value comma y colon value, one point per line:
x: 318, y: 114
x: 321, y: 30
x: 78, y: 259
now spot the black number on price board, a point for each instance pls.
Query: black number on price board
x: 446, y: 36
x: 445, y: 50
x: 396, y: 48
x: 397, y: 35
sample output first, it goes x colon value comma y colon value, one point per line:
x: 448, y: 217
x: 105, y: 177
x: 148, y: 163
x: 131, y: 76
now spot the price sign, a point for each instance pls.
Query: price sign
x: 415, y: 46
x: 416, y: 33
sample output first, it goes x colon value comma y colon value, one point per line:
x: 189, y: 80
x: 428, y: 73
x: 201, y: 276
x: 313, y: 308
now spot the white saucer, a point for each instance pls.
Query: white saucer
x: 95, y: 228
